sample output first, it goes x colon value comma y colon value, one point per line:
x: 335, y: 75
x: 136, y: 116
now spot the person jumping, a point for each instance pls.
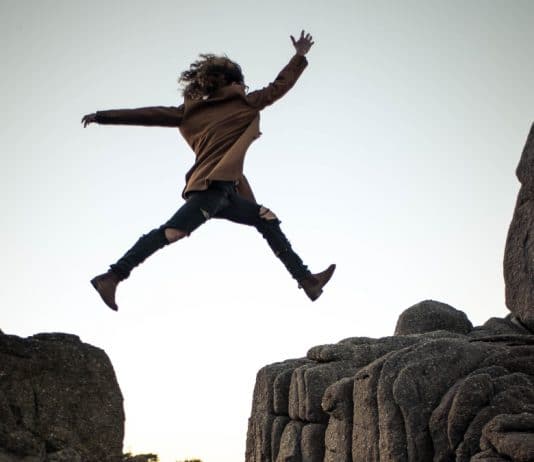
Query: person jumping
x: 219, y: 120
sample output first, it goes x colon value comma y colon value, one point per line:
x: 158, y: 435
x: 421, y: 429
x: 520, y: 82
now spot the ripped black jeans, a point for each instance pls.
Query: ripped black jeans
x: 220, y: 200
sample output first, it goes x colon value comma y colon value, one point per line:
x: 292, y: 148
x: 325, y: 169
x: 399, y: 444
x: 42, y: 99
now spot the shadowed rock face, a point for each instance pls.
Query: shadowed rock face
x: 438, y: 395
x: 59, y: 401
x: 519, y: 251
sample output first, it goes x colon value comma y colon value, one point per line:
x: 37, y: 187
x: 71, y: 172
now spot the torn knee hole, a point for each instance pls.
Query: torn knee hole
x: 266, y: 214
x: 205, y: 214
x: 173, y: 234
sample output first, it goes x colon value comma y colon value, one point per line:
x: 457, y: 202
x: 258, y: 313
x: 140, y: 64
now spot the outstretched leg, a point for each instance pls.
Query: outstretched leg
x: 106, y: 284
x: 269, y: 227
x: 267, y: 223
x: 196, y: 211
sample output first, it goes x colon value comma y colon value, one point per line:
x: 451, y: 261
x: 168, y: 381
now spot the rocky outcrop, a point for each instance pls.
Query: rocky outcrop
x: 429, y: 316
x: 519, y: 252
x: 59, y: 401
x: 438, y: 390
x: 431, y: 396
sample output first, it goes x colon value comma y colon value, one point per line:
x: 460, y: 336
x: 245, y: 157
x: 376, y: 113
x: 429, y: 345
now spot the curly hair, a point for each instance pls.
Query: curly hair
x: 208, y: 74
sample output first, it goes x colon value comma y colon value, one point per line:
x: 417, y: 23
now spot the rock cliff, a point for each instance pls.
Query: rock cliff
x: 440, y: 395
x: 519, y: 252
x: 59, y: 401
x: 438, y: 390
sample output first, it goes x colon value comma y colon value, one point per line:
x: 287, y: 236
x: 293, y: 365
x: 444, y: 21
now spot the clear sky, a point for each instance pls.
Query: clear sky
x: 394, y: 156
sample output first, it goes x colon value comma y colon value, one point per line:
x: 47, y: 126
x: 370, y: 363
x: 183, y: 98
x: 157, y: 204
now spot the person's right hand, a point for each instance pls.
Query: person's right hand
x: 303, y: 44
x: 88, y: 119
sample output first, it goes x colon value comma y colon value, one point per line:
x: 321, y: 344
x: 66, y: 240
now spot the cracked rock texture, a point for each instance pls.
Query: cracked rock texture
x: 519, y: 252
x: 59, y: 401
x: 432, y: 396
x: 439, y: 390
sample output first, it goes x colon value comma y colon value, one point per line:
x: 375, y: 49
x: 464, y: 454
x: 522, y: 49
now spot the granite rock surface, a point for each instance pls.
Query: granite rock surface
x: 59, y: 401
x: 449, y: 393
x: 438, y: 390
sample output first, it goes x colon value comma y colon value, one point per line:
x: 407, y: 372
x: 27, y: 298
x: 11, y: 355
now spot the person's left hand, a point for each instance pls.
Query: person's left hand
x: 303, y: 44
x: 88, y: 119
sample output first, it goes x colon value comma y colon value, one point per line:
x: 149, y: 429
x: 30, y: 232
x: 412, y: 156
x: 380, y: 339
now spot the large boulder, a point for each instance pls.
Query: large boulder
x: 429, y: 315
x: 59, y: 401
x: 438, y: 390
x: 424, y: 394
x: 519, y: 250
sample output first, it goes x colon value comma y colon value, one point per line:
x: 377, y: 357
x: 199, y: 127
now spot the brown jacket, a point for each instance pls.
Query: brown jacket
x: 219, y: 129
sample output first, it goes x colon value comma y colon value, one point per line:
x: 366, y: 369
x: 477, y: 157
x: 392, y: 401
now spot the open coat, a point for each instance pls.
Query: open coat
x: 219, y: 128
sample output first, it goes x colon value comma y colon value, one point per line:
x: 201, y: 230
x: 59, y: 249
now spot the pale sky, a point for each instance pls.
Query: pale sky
x: 394, y: 156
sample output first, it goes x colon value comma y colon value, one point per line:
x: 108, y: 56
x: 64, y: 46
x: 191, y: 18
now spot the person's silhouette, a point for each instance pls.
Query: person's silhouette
x: 219, y: 120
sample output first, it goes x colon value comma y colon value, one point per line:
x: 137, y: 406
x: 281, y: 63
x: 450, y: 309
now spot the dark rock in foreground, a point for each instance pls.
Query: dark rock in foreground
x: 439, y: 395
x: 59, y: 401
x: 439, y: 390
x: 519, y: 252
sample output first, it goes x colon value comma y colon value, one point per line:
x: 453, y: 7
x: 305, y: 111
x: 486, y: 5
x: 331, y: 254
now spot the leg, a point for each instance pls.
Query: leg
x: 267, y: 223
x: 196, y: 211
x: 173, y: 235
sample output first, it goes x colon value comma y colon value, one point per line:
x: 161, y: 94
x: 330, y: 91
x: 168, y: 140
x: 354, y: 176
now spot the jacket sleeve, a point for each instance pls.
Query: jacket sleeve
x: 282, y: 84
x: 157, y: 116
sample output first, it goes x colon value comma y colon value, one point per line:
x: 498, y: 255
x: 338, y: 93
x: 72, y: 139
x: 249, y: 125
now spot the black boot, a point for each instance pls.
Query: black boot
x: 314, y: 283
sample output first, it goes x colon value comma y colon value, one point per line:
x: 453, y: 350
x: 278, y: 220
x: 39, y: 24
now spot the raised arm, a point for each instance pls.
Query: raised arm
x: 157, y: 116
x: 287, y: 76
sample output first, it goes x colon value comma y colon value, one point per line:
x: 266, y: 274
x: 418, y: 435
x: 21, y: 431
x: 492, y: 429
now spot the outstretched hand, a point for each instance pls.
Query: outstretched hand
x: 88, y: 119
x: 303, y: 44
